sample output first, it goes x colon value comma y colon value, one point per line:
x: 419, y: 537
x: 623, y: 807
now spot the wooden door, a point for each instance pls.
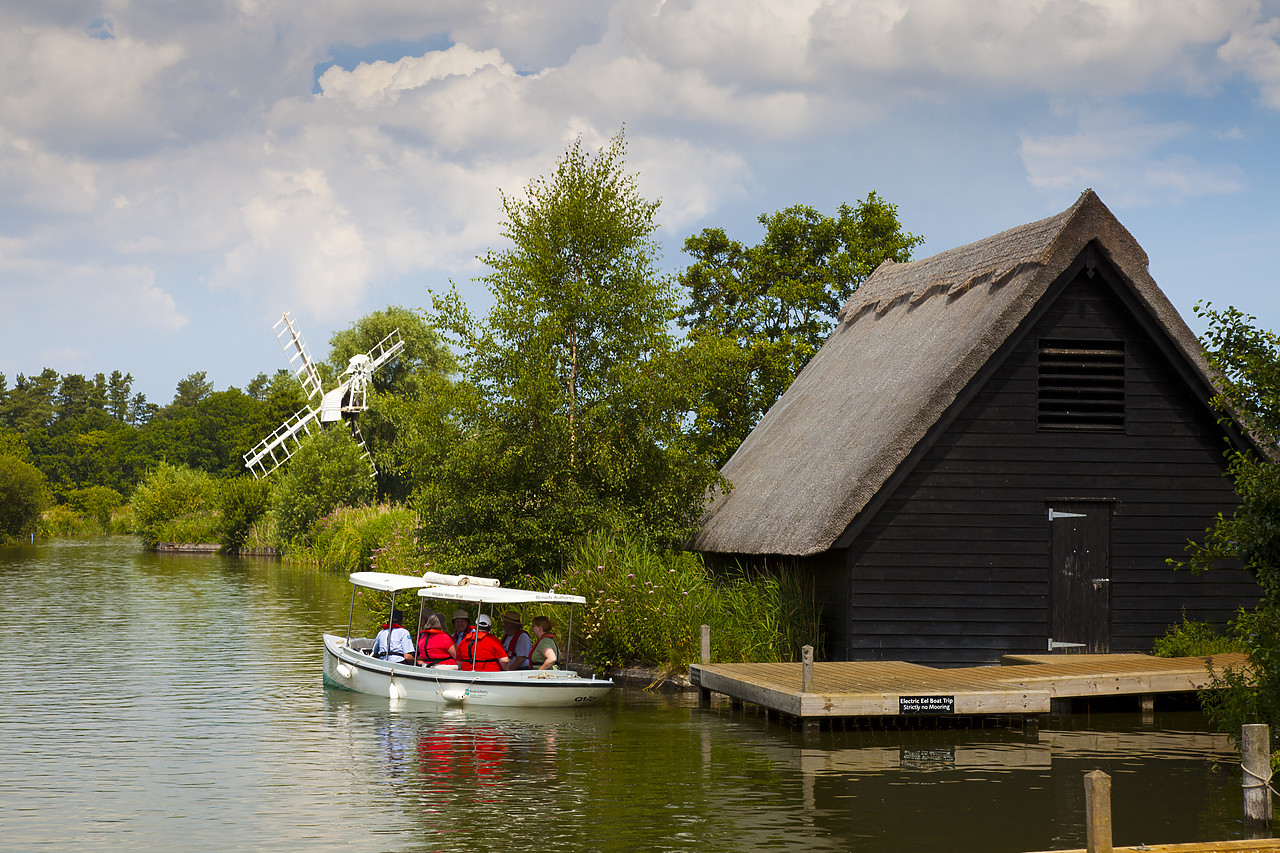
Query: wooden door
x: 1080, y: 576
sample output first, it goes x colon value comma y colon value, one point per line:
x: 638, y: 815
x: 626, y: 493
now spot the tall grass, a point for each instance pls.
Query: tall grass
x: 356, y: 539
x: 647, y: 605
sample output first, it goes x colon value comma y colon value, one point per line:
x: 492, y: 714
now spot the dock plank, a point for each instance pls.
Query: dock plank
x: 873, y: 688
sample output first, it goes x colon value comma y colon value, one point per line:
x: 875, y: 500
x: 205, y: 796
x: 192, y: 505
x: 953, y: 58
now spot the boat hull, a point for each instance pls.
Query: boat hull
x: 353, y: 670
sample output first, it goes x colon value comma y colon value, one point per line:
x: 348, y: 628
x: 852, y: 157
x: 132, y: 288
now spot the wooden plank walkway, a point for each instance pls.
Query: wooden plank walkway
x: 1027, y: 684
x: 1239, y: 846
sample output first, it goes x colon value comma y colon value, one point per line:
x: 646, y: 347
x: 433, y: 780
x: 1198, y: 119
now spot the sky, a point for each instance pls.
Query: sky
x: 173, y: 176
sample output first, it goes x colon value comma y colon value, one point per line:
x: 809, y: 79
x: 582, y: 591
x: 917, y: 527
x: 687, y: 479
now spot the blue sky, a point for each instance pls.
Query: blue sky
x: 174, y: 176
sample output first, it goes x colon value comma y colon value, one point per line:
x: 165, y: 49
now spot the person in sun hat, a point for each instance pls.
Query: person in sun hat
x: 516, y: 640
x: 480, y: 651
x: 461, y: 624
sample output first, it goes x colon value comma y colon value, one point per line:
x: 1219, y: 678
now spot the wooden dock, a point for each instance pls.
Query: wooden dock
x: 1024, y: 684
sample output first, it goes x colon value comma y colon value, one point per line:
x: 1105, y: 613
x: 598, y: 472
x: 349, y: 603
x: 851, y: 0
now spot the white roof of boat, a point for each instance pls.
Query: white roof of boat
x: 385, y: 581
x: 497, y: 595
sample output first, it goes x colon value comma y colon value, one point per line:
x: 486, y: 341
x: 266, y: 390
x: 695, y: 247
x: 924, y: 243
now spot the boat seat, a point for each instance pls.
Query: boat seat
x: 361, y: 644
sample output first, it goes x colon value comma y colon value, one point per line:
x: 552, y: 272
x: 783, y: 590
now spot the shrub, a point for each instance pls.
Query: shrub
x: 328, y: 471
x: 1194, y: 639
x: 243, y: 502
x: 173, y: 503
x: 647, y: 606
x: 97, y: 502
x: 62, y: 522
x: 23, y: 497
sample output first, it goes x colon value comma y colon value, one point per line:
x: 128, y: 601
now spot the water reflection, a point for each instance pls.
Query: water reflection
x: 229, y: 739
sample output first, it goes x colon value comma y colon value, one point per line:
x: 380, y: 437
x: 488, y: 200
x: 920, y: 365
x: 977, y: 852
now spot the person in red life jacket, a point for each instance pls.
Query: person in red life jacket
x: 480, y: 651
x: 545, y: 654
x: 394, y: 643
x: 516, y: 640
x: 435, y: 647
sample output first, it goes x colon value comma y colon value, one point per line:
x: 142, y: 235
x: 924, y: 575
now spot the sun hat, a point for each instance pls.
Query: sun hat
x: 484, y: 620
x: 511, y: 616
x: 461, y: 614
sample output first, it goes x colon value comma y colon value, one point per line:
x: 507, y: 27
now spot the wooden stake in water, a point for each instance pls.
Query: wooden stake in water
x: 1097, y: 812
x: 1255, y: 763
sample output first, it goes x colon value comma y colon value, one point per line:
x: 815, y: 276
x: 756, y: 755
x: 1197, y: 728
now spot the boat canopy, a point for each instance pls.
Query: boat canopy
x: 385, y: 581
x: 497, y: 595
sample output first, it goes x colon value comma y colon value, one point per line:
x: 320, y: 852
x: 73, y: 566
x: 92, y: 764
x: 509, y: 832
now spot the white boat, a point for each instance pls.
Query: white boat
x: 348, y: 662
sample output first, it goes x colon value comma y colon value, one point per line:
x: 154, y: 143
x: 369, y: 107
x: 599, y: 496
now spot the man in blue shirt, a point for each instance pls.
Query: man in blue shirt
x: 399, y: 647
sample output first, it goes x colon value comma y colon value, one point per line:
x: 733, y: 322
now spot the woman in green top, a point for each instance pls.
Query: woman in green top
x: 545, y: 654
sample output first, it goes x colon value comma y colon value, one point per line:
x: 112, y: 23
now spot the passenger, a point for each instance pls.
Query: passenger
x: 461, y: 624
x: 516, y: 640
x: 480, y: 651
x: 435, y: 647
x: 545, y: 654
x: 399, y: 647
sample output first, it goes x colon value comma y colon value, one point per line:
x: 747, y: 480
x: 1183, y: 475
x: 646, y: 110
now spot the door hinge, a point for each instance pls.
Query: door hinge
x: 1054, y: 644
x: 1054, y: 514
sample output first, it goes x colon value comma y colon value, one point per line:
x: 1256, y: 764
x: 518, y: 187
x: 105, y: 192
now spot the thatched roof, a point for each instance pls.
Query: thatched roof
x: 906, y: 344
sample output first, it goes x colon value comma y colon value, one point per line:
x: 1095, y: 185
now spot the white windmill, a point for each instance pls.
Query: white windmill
x: 347, y: 399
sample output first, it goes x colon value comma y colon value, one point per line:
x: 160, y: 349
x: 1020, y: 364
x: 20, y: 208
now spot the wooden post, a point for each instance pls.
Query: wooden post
x: 1255, y: 763
x: 1097, y: 812
x: 706, y: 645
x: 806, y: 669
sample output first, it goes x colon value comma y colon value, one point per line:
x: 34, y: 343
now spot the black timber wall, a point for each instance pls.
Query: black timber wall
x: 953, y: 566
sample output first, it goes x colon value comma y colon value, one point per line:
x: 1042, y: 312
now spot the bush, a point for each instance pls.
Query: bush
x: 23, y: 497
x: 647, y: 606
x: 176, y: 504
x: 1194, y: 639
x: 328, y: 471
x: 243, y: 502
x: 62, y: 522
x: 97, y: 502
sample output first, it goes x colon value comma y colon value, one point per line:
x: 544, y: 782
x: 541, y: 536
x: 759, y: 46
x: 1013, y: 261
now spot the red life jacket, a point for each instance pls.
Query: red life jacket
x: 488, y: 655
x: 554, y: 645
x: 426, y: 653
x: 510, y: 645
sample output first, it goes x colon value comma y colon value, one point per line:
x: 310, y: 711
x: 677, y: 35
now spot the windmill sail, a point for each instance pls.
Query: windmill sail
x: 345, y: 400
x: 276, y: 449
x: 295, y: 349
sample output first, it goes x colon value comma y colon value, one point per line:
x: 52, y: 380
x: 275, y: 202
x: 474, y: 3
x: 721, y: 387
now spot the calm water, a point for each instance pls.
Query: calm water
x: 152, y: 702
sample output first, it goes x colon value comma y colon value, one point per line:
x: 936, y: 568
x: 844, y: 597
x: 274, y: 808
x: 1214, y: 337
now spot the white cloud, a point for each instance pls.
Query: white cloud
x: 1256, y: 51
x: 1125, y: 160
x: 68, y: 86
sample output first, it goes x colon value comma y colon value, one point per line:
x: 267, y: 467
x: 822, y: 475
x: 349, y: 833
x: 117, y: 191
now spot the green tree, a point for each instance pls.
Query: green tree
x: 328, y: 471
x: 23, y: 497
x: 756, y: 315
x: 30, y: 404
x: 1247, y: 362
x: 568, y: 417
x: 119, y: 386
x: 424, y: 352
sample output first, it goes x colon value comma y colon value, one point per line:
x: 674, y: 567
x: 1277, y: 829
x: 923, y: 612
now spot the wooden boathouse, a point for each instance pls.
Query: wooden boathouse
x: 995, y: 452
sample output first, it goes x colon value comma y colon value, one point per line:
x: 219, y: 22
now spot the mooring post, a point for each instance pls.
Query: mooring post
x: 704, y: 657
x: 806, y: 669
x: 1097, y: 812
x: 1255, y: 764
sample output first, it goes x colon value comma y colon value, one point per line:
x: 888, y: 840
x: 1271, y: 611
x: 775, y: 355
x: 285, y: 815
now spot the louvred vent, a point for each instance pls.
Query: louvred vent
x: 1080, y: 385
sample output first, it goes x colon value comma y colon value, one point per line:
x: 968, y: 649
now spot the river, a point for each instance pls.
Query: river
x: 158, y: 701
